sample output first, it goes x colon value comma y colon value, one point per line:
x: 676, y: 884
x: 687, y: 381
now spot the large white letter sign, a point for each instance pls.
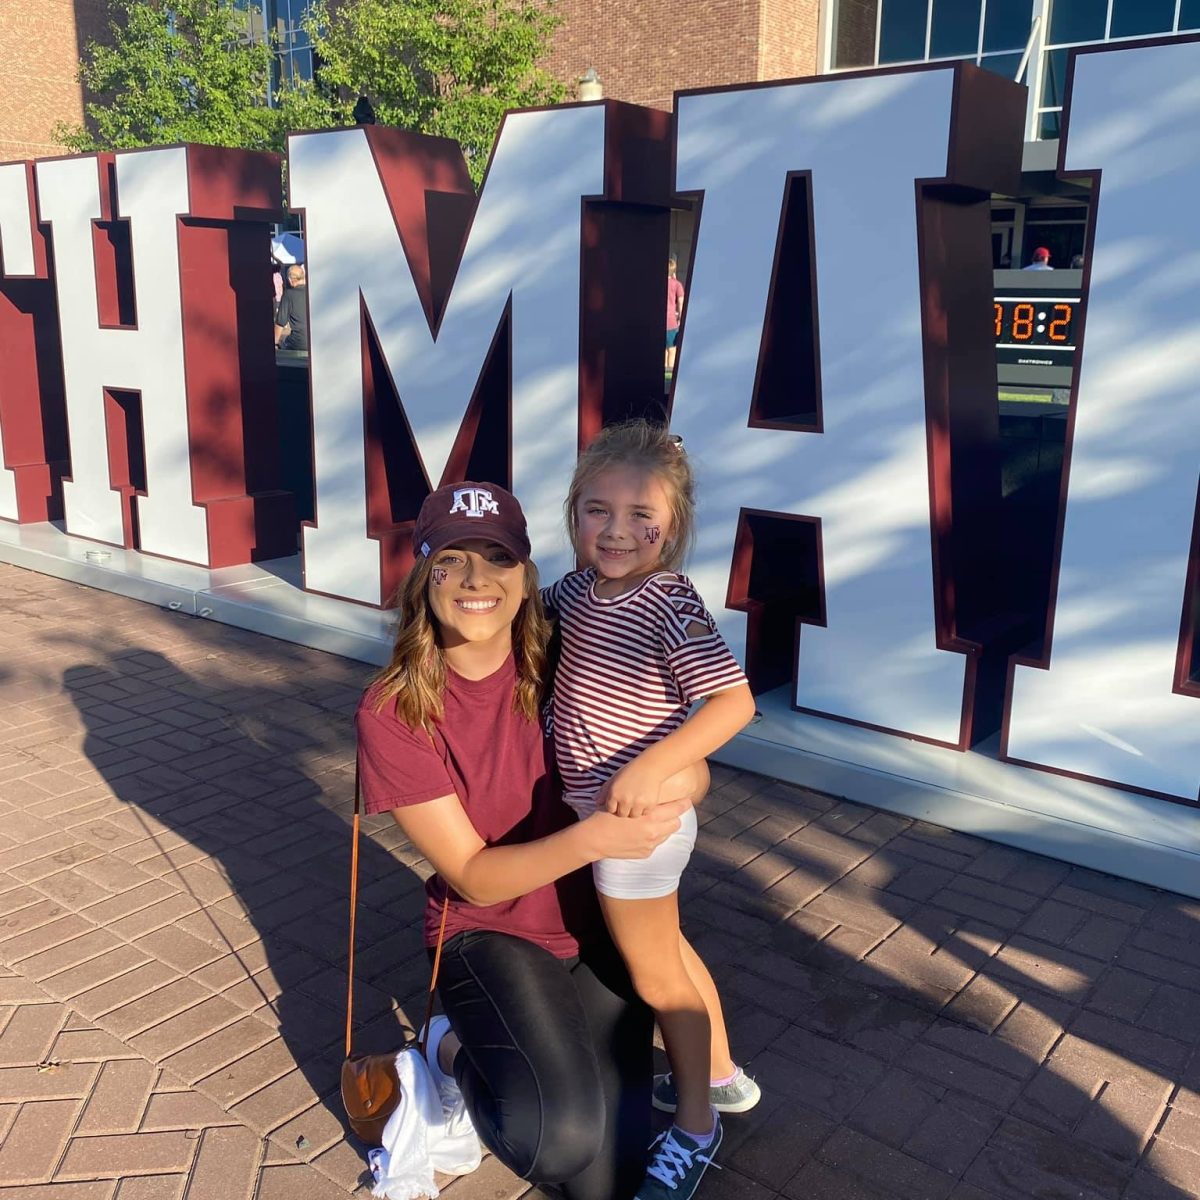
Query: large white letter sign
x: 33, y: 448
x: 400, y: 357
x: 167, y: 389
x: 1116, y: 698
x: 865, y: 461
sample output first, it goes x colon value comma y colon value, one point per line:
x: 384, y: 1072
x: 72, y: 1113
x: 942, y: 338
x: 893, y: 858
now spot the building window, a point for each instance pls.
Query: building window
x: 1137, y: 18
x: 1061, y: 228
x: 284, y: 19
x: 295, y: 49
x: 854, y: 33
x: 993, y: 33
x: 954, y: 29
x: 1077, y: 21
x: 1006, y: 24
x: 903, y: 26
x: 1086, y: 22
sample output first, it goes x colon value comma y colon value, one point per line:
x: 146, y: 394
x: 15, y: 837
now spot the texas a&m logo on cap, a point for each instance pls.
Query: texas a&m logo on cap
x: 474, y: 502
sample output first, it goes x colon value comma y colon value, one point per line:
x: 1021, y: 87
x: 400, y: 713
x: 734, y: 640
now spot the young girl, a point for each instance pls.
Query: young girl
x: 638, y: 650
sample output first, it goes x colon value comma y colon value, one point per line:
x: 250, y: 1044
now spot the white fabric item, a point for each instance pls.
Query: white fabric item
x: 458, y: 1152
x: 420, y: 1137
x: 405, y: 1166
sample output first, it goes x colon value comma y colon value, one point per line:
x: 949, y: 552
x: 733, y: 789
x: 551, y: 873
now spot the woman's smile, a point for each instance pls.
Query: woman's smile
x: 477, y: 605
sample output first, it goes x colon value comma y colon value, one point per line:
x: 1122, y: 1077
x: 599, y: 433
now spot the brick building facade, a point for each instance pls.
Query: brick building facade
x: 643, y: 52
x: 40, y: 45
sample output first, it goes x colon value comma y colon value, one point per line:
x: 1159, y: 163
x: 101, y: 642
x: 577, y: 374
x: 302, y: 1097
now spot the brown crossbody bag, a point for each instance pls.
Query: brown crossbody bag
x: 370, y: 1085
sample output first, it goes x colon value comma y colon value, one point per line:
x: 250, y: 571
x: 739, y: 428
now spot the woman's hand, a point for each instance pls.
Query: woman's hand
x: 632, y: 792
x: 610, y: 836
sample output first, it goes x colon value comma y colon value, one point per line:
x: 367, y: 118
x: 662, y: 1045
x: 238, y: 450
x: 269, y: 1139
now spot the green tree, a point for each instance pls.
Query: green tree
x: 447, y: 67
x: 174, y: 71
x: 180, y: 71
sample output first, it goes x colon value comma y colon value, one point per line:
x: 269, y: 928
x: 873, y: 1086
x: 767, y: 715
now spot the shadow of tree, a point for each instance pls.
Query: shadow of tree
x: 929, y: 1013
x: 242, y: 779
x: 925, y: 1007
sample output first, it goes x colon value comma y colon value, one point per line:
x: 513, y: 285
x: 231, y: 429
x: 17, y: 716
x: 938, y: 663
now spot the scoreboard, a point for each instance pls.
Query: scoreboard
x: 1037, y: 316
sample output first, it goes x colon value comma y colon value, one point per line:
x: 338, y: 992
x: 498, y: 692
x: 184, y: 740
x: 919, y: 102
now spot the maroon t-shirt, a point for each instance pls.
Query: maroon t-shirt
x: 500, y: 766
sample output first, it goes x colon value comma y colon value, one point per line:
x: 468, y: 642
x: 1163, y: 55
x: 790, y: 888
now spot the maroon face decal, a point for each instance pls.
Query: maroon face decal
x: 653, y: 533
x: 439, y: 575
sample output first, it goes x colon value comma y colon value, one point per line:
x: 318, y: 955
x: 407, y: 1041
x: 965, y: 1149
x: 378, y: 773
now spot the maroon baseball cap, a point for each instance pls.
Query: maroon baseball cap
x: 459, y: 512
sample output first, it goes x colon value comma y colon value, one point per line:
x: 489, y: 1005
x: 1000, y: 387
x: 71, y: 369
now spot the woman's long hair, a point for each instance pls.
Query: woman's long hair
x: 414, y: 681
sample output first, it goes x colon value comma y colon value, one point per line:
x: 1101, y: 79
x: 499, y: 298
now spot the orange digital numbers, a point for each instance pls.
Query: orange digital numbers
x: 1060, y: 326
x: 1022, y: 322
x: 999, y: 315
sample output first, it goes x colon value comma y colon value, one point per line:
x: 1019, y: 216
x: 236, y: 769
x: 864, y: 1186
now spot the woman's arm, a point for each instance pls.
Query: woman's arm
x: 482, y: 874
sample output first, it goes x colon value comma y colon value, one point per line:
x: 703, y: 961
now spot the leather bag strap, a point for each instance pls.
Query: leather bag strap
x: 437, y: 953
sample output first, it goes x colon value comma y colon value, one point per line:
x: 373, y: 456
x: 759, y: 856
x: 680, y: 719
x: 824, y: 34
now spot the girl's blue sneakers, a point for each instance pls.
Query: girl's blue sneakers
x: 677, y: 1164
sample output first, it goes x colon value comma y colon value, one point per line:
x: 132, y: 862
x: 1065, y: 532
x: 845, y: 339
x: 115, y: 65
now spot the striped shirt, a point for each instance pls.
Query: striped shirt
x: 631, y: 668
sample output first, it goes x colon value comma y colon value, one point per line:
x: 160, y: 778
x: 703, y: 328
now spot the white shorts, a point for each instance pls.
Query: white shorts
x: 642, y: 878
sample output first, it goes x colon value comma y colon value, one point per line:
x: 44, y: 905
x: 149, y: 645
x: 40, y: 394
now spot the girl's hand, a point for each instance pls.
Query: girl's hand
x: 632, y: 792
x: 610, y: 836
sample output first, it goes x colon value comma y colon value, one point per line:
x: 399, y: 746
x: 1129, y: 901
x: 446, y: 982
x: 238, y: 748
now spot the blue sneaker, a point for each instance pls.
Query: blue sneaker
x: 677, y: 1164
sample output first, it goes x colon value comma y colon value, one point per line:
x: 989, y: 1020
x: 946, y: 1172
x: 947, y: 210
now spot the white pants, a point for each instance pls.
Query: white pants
x: 642, y: 878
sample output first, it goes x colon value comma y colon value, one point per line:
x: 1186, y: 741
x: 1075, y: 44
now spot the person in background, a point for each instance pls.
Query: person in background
x: 1040, y: 261
x: 674, y: 310
x: 1077, y: 262
x: 291, y: 314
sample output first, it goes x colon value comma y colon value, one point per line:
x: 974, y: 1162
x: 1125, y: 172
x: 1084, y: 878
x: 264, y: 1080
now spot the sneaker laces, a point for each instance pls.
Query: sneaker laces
x: 672, y: 1161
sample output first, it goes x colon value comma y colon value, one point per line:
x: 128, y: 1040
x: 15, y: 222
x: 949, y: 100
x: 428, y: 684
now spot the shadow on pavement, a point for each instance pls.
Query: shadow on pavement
x: 244, y: 780
x: 929, y: 1014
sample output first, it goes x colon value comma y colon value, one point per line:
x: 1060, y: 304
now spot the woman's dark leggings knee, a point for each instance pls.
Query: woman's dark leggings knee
x: 555, y: 1063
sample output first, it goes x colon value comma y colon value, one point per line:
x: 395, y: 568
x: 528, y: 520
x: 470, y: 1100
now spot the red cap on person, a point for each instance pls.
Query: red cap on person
x: 1041, y: 254
x: 460, y: 512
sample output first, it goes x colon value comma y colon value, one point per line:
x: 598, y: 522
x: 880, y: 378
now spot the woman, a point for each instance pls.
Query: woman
x: 543, y: 1033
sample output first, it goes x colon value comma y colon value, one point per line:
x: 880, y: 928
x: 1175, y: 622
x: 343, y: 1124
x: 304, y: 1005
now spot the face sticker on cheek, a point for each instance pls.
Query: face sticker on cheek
x: 439, y: 575
x: 653, y: 533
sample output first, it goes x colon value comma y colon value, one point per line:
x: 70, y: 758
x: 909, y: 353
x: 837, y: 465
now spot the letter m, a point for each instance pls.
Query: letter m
x: 448, y: 339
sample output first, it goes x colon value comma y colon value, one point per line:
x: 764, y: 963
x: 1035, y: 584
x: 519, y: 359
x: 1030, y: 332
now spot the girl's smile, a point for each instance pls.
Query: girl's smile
x: 623, y: 517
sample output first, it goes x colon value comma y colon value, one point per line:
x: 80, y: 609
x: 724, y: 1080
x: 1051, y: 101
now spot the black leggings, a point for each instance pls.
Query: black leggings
x: 555, y: 1062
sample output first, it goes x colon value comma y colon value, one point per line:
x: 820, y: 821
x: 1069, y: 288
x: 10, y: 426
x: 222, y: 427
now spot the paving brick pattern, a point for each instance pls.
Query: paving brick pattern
x: 931, y: 1016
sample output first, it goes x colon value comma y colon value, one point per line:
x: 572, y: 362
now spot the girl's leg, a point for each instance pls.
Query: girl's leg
x: 646, y: 932
x: 527, y: 1064
x: 720, y: 1064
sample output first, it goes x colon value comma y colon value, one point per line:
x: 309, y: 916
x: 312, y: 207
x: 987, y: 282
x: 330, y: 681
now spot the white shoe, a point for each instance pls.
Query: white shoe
x: 459, y: 1152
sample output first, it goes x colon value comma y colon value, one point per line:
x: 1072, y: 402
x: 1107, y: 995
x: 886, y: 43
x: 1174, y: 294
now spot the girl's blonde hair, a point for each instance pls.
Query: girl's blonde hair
x: 414, y: 681
x: 652, y: 448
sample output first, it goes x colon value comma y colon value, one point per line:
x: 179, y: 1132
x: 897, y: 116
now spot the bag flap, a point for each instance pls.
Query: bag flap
x: 369, y: 1085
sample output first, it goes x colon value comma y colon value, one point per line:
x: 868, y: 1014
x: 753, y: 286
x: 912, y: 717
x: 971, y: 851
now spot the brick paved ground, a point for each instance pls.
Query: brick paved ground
x: 930, y: 1016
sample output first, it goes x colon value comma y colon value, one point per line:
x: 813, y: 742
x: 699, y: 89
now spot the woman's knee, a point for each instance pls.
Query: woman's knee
x: 567, y: 1141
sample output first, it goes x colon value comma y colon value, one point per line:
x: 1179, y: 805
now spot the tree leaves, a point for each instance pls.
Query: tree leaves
x: 191, y: 71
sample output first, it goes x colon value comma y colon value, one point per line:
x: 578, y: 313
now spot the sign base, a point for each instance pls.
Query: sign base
x: 1104, y: 828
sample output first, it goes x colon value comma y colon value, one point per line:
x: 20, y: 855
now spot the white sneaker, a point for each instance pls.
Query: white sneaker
x: 459, y: 1152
